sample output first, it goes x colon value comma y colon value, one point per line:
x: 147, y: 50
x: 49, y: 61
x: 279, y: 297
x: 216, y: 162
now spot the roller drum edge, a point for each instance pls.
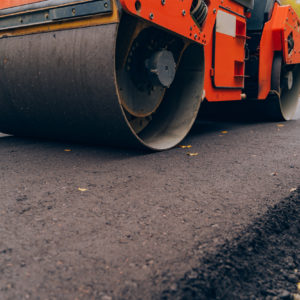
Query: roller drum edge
x: 64, y: 85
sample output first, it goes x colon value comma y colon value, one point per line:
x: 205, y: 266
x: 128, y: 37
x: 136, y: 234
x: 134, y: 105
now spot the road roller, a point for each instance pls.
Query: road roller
x: 133, y: 73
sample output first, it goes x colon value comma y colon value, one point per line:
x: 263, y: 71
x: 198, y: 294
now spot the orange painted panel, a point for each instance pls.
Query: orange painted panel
x: 213, y: 94
x: 229, y: 61
x: 224, y: 57
x: 175, y: 16
x: 13, y: 3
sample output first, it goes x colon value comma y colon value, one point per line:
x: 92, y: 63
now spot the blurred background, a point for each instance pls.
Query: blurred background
x: 294, y: 3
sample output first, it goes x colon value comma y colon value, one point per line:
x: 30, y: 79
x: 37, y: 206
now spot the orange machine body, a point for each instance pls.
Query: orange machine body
x: 283, y: 24
x: 224, y: 37
x: 13, y: 3
x: 223, y: 34
x: 175, y: 16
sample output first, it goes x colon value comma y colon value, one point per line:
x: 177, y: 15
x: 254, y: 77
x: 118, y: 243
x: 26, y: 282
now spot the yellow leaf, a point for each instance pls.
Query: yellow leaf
x: 67, y: 150
x: 185, y: 146
x: 280, y: 125
x: 224, y: 132
x: 82, y: 190
x: 298, y: 286
x: 192, y: 154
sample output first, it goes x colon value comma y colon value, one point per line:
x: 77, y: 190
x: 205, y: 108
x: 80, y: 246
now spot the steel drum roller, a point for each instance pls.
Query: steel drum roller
x: 77, y: 84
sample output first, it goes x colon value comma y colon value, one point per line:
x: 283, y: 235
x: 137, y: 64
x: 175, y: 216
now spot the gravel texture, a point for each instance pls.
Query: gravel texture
x: 263, y: 262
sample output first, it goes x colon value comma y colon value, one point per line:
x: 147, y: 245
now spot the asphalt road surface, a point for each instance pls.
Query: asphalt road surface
x: 89, y: 222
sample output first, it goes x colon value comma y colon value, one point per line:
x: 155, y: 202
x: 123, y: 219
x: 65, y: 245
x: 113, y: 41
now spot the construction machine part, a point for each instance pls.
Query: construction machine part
x: 123, y: 83
x: 199, y: 11
x: 283, y: 100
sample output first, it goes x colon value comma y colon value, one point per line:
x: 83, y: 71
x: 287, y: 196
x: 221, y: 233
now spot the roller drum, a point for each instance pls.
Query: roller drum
x: 62, y: 85
x: 65, y: 85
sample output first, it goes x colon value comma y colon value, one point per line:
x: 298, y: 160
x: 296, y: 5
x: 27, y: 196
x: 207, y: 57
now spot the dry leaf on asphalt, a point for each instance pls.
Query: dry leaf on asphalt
x: 67, y: 150
x: 293, y: 190
x: 280, y: 125
x: 82, y: 190
x: 296, y: 296
x: 185, y: 146
x: 192, y: 154
x: 224, y: 132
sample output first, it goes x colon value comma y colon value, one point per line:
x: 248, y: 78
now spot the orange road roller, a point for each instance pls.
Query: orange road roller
x: 134, y: 72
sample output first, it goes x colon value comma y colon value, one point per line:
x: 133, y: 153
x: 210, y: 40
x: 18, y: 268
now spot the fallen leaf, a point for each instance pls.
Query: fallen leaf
x: 296, y: 296
x: 192, y: 154
x: 185, y: 146
x: 67, y: 150
x: 274, y: 174
x: 293, y: 190
x: 82, y: 190
x: 224, y: 132
x: 280, y: 125
x: 298, y: 286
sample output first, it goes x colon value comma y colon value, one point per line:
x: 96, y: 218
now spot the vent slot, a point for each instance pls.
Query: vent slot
x: 199, y: 11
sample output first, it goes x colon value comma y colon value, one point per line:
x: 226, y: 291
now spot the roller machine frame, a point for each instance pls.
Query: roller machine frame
x: 135, y: 72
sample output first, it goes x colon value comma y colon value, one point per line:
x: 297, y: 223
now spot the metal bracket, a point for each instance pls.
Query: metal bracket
x: 48, y: 15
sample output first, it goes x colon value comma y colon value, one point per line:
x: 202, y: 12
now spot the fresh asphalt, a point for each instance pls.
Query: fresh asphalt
x: 89, y: 222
